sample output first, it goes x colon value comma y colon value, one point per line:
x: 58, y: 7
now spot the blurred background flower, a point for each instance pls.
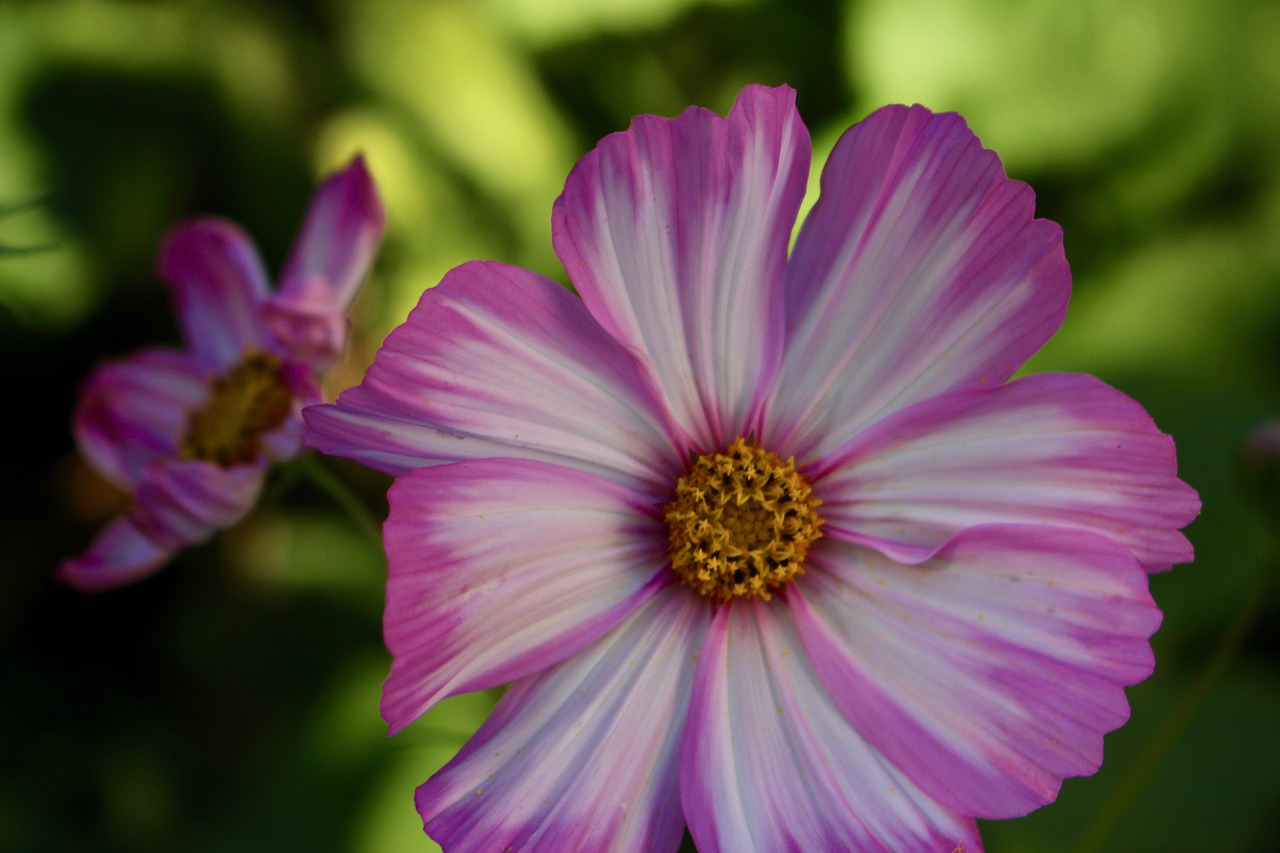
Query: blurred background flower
x: 233, y: 704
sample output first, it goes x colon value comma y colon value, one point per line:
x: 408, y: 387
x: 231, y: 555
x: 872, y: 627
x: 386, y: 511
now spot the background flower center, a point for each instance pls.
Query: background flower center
x: 741, y: 523
x: 249, y: 400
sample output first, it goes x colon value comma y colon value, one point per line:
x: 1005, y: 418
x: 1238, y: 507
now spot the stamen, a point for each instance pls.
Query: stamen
x: 741, y: 523
x: 247, y: 402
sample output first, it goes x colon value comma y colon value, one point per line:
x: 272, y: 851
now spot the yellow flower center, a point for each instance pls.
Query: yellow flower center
x: 741, y: 523
x: 248, y: 401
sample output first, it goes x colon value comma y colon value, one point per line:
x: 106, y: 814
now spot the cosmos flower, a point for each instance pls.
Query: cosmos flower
x: 190, y: 433
x: 770, y: 546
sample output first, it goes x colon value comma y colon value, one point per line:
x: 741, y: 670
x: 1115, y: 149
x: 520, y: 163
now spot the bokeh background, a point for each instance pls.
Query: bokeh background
x: 230, y: 703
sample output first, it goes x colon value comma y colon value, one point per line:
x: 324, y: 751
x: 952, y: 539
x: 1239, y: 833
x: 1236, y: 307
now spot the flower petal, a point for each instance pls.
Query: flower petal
x: 675, y: 233
x: 329, y: 261
x: 498, y: 361
x: 132, y: 410
x: 183, y: 501
x: 1056, y: 449
x: 770, y: 763
x: 339, y: 236
x: 503, y: 567
x: 920, y: 270
x: 990, y: 672
x: 120, y: 555
x: 218, y: 285
x: 308, y: 322
x: 284, y: 442
x: 583, y: 756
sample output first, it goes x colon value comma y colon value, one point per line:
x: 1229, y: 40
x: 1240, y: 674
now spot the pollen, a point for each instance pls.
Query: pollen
x: 741, y: 523
x: 248, y: 401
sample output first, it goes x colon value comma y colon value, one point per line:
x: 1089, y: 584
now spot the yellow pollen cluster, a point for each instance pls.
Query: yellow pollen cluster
x: 741, y: 523
x: 249, y: 400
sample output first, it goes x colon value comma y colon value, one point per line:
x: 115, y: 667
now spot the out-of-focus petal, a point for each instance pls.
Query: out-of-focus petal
x: 583, y: 756
x: 1056, y: 449
x: 990, y: 672
x: 920, y: 270
x: 183, y: 501
x: 675, y: 233
x: 308, y: 322
x: 770, y: 763
x: 132, y: 410
x: 338, y: 237
x: 500, y: 568
x: 498, y: 361
x: 121, y: 554
x: 285, y: 441
x: 218, y: 285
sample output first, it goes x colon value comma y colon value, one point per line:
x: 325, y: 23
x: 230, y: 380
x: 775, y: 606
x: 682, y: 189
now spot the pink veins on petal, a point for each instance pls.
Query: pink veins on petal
x: 769, y: 545
x: 189, y: 433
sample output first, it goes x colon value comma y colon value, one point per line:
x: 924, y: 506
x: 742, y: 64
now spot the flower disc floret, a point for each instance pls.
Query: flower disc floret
x: 741, y: 523
x: 245, y: 403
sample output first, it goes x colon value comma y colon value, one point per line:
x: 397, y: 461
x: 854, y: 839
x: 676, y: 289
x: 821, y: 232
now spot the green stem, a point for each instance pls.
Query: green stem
x: 341, y: 494
x: 1179, y: 717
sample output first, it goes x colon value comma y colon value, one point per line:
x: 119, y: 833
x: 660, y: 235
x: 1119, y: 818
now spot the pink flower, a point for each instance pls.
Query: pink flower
x: 190, y: 433
x: 769, y: 545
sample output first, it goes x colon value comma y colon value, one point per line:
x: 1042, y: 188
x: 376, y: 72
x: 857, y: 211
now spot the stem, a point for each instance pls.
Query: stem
x: 1180, y: 716
x: 341, y: 494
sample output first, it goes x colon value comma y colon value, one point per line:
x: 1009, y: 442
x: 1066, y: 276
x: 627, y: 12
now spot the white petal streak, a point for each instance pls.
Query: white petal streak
x: 990, y: 672
x: 770, y: 763
x: 583, y: 756
x: 498, y: 361
x: 1056, y: 449
x: 920, y: 270
x: 184, y: 501
x: 134, y: 410
x: 500, y: 568
x: 675, y: 232
x: 219, y: 285
x: 339, y: 235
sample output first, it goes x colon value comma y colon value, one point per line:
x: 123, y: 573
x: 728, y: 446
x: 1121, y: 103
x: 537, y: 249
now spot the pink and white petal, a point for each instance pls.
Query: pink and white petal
x: 284, y: 442
x: 339, y: 236
x: 308, y: 321
x: 675, y: 232
x: 990, y: 672
x: 1055, y: 449
x: 500, y: 568
x: 770, y: 763
x: 499, y: 361
x: 219, y: 284
x: 135, y: 409
x: 184, y: 501
x: 120, y: 555
x: 584, y: 755
x: 920, y: 270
